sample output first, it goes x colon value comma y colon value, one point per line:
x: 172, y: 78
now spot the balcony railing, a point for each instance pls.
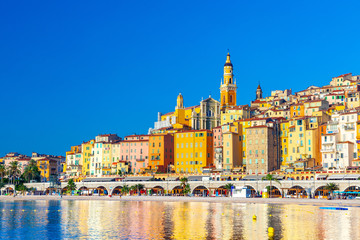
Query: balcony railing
x: 327, y: 150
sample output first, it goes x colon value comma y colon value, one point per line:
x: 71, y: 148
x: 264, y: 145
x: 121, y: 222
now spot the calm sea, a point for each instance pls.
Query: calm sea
x: 57, y: 219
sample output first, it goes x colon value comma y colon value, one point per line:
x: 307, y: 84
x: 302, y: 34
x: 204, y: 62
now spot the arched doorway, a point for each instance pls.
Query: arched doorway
x: 83, y: 190
x: 253, y: 191
x: 116, y: 191
x: 177, y: 191
x: 273, y: 191
x: 221, y: 191
x: 64, y: 190
x: 297, y: 192
x: 158, y: 190
x: 101, y: 191
x: 200, y: 191
x: 51, y: 191
x: 321, y: 192
x: 353, y: 191
x: 9, y: 191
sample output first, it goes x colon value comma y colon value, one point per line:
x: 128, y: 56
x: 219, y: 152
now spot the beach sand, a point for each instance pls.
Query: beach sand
x: 322, y: 202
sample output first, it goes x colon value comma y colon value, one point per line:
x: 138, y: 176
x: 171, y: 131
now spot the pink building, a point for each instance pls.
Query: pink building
x: 218, y: 147
x: 135, y: 150
x: 23, y: 162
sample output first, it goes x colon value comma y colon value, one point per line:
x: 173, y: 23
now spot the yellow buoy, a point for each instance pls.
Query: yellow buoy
x: 270, y: 215
x: 254, y: 217
x: 271, y: 232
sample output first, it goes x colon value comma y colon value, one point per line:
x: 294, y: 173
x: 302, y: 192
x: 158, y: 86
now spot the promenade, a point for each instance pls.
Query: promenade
x: 320, y: 202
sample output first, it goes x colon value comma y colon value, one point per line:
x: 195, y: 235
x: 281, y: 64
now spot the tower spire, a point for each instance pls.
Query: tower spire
x: 228, y: 88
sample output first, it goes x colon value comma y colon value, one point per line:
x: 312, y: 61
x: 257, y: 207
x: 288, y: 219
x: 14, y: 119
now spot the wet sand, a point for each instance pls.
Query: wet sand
x: 299, y: 201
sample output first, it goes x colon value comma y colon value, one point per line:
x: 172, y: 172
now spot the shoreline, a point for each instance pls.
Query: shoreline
x: 298, y: 201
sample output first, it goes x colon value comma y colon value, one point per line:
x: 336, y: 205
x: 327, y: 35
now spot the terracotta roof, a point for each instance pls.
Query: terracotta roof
x: 343, y: 75
x: 346, y: 142
x: 260, y: 126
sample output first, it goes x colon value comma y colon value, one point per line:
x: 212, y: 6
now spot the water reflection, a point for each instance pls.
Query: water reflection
x: 172, y: 220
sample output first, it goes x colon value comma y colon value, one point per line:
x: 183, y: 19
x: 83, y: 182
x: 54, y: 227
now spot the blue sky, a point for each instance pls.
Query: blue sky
x: 72, y: 70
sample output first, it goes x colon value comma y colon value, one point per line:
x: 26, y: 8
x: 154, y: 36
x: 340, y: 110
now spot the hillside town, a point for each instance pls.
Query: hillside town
x: 316, y: 129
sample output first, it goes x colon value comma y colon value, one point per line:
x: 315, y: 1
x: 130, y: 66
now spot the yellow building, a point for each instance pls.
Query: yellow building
x: 232, y: 114
x: 107, y: 159
x: 87, y: 148
x: 193, y: 151
x: 284, y: 141
x: 74, y: 150
x: 243, y: 124
x: 303, y: 142
x: 47, y: 168
x: 228, y: 87
x: 180, y: 119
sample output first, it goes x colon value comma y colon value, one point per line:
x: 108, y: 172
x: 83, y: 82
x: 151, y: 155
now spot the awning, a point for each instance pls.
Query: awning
x: 99, y: 180
x: 172, y: 179
x: 195, y: 178
x: 336, y: 177
x: 352, y: 177
x: 253, y: 178
x: 322, y: 176
x: 138, y: 179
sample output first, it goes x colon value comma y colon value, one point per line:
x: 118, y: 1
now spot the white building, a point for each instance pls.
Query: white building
x: 338, y: 147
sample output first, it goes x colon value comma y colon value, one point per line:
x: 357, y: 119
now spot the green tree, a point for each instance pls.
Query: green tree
x: 119, y: 172
x: 71, y: 186
x: 186, y: 189
x: 13, y: 171
x: 31, y: 171
x: 228, y: 187
x: 184, y: 184
x: 2, y: 172
x: 271, y: 178
x: 125, y: 189
x: 138, y: 188
x: 331, y: 187
x: 22, y: 188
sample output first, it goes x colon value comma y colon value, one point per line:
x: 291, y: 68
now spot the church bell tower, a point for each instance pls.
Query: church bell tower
x: 228, y: 87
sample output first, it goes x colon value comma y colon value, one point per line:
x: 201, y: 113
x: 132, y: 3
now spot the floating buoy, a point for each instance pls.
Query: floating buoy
x: 254, y: 217
x: 270, y: 232
x: 270, y: 215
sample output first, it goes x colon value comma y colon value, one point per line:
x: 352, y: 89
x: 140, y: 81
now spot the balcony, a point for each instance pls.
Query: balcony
x: 326, y: 150
x: 349, y: 128
x: 218, y: 150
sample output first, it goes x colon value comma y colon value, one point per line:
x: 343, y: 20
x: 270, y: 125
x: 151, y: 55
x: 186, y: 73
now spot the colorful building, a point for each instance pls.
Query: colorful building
x: 193, y: 151
x: 161, y: 152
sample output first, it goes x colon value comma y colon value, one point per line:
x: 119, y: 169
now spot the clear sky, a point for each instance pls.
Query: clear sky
x: 70, y: 70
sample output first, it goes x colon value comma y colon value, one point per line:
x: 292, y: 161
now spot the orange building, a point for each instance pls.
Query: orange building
x: 161, y: 152
x: 297, y: 110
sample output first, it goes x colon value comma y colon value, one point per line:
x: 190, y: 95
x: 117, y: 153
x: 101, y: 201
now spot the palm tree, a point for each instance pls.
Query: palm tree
x: 228, y: 187
x: 14, y: 170
x: 139, y: 187
x: 31, y: 171
x: 125, y: 189
x: 184, y: 183
x: 186, y: 189
x: 22, y: 188
x: 271, y: 178
x: 331, y: 187
x: 71, y: 186
x: 2, y: 172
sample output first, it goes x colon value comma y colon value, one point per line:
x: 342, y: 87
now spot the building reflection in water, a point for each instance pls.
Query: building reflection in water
x: 172, y: 220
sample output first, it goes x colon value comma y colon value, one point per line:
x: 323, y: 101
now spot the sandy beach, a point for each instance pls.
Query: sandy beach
x: 299, y: 201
